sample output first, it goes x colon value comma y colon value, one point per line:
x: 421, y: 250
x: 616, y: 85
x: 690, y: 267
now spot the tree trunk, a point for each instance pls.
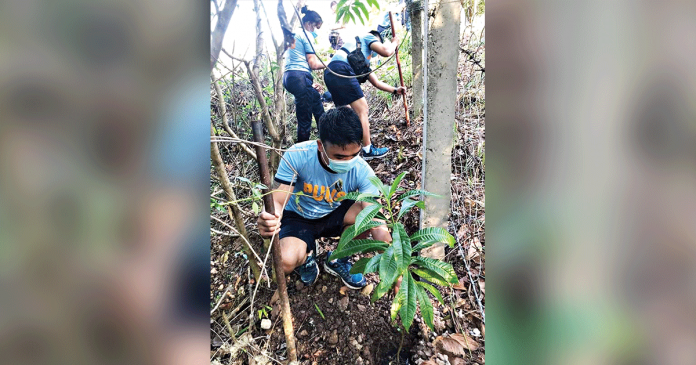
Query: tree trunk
x: 220, y: 29
x: 236, y: 214
x: 417, y: 56
x: 442, y: 58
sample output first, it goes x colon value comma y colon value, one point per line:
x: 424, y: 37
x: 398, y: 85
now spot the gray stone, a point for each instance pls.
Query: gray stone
x: 343, y: 304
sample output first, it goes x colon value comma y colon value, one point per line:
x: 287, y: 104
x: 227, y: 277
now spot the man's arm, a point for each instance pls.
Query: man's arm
x: 270, y: 224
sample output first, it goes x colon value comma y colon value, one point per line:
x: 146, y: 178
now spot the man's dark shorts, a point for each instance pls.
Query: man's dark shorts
x: 309, y: 230
x: 343, y: 91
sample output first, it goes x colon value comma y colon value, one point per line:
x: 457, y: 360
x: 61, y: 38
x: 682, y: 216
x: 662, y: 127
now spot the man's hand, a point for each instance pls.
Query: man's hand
x: 268, y: 224
x: 401, y: 90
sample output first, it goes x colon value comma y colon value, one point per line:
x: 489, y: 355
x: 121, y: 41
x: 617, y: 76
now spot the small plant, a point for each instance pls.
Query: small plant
x: 263, y: 312
x: 395, y: 259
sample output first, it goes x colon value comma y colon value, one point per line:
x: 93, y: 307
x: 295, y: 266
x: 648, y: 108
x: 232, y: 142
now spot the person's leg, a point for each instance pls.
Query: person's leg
x: 316, y: 106
x: 295, y: 82
x: 360, y: 107
x: 293, y: 253
x: 332, y: 227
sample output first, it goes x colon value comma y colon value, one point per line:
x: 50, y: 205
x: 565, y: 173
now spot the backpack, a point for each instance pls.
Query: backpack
x: 357, y: 61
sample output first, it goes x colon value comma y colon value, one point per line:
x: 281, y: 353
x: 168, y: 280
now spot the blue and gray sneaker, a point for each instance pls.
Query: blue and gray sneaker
x: 341, y: 268
x: 375, y: 152
x: 309, y: 271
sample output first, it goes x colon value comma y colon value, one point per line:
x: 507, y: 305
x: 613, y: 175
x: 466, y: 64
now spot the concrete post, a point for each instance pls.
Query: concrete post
x: 438, y: 125
x: 416, y: 8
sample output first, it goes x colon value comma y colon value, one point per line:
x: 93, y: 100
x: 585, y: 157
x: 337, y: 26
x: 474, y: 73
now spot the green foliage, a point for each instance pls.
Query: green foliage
x: 264, y: 311
x: 348, y: 10
x: 395, y: 260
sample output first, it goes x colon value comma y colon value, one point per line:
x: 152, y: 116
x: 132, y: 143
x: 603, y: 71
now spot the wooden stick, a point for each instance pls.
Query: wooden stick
x: 275, y: 245
x: 398, y: 65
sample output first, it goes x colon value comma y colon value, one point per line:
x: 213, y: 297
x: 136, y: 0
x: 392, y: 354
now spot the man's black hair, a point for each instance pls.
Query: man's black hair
x: 340, y: 126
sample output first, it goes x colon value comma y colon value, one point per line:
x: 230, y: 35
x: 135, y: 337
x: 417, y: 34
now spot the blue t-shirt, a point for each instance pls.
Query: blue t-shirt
x: 349, y: 44
x: 319, y: 186
x: 296, y: 58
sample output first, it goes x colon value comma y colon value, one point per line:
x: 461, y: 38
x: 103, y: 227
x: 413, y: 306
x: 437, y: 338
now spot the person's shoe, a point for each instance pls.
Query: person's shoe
x: 309, y: 271
x: 341, y: 268
x: 375, y: 152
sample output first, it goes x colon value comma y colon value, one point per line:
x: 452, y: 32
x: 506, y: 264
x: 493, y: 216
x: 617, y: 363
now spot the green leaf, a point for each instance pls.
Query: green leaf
x: 351, y: 232
x: 360, y: 197
x: 339, y: 13
x: 364, y: 9
x: 445, y: 270
x: 357, y: 12
x: 379, y: 185
x: 319, y: 310
x: 395, y: 184
x: 255, y: 208
x: 242, y: 178
x: 408, y: 309
x: 359, y: 266
x: 398, y: 250
x: 430, y: 276
x: 366, y: 215
x: 348, y: 17
x: 405, y: 243
x: 430, y: 235
x: 426, y: 307
x: 340, y: 4
x: 414, y: 192
x: 358, y: 246
x: 408, y: 204
x: 373, y: 3
x: 371, y: 265
x: 387, y: 273
x: 432, y: 290
x: 398, y: 301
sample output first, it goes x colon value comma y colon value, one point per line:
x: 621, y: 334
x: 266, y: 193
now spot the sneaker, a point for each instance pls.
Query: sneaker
x: 341, y: 268
x: 375, y: 152
x: 309, y: 271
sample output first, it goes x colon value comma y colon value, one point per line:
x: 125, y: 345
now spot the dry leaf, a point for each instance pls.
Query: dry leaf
x: 460, y: 285
x: 448, y: 346
x: 482, y: 285
x: 466, y: 341
x: 457, y: 361
x: 343, y: 290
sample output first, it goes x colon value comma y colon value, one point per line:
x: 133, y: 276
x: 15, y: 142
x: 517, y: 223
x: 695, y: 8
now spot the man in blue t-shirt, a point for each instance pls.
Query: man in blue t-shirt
x: 324, y: 171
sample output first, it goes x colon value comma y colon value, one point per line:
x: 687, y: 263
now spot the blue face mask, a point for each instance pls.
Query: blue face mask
x: 341, y: 167
x: 314, y: 34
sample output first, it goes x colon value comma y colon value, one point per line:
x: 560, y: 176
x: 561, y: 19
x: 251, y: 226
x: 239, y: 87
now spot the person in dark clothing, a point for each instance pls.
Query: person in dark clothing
x: 300, y: 60
x: 347, y: 91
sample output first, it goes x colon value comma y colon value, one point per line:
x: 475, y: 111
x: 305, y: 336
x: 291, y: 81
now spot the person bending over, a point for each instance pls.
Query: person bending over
x: 324, y: 170
x: 347, y: 91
